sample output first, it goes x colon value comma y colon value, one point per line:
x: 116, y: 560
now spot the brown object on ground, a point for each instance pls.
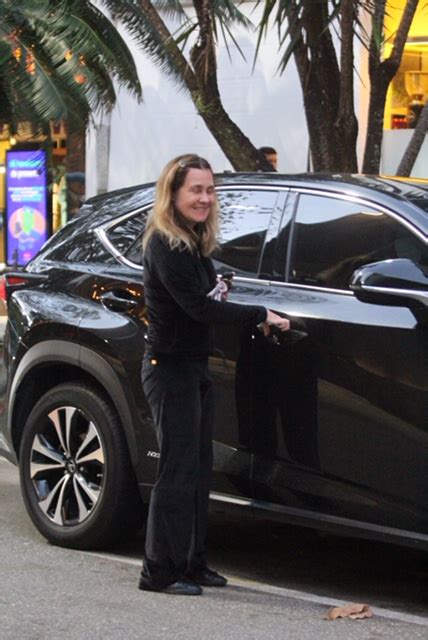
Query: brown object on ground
x: 353, y: 611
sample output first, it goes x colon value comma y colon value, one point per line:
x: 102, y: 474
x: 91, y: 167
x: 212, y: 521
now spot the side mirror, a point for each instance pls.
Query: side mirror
x: 398, y: 282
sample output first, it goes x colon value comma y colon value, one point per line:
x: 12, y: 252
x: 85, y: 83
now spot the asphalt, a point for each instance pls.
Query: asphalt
x: 50, y: 593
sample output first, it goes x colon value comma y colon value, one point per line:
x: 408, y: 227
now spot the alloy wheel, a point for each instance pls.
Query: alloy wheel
x: 67, y: 466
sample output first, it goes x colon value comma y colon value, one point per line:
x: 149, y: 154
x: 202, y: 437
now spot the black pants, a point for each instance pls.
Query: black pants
x: 180, y: 395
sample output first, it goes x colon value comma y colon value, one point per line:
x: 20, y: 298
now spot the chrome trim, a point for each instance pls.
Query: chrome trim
x: 102, y: 236
x: 125, y: 216
x: 101, y: 233
x: 128, y: 263
x: 277, y: 283
x: 296, y: 285
x: 361, y: 200
x: 323, y: 520
x: 222, y: 497
x: 251, y: 187
x: 250, y: 280
x: 343, y: 522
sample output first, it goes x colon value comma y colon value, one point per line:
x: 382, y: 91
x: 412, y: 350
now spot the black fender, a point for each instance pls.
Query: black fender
x: 66, y: 352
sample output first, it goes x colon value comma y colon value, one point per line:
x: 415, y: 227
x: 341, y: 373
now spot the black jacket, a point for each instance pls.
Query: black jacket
x: 176, y: 283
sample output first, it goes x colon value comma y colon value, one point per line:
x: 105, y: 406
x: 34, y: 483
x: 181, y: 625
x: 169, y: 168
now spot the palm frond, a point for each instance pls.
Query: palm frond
x: 58, y: 60
x: 90, y: 33
x: 145, y: 33
x: 157, y: 46
x: 228, y: 34
x: 279, y: 12
x: 228, y: 14
x: 171, y: 9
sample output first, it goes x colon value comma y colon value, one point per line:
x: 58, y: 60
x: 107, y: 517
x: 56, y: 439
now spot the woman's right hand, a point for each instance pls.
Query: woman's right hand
x: 274, y: 320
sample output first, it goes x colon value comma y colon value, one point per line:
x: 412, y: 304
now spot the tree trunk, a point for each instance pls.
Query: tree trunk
x: 318, y: 70
x: 409, y: 158
x: 380, y: 82
x: 201, y: 82
x: 234, y: 143
x: 346, y: 125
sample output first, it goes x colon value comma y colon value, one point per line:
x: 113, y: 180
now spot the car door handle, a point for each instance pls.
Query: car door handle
x: 285, y: 338
x: 116, y: 302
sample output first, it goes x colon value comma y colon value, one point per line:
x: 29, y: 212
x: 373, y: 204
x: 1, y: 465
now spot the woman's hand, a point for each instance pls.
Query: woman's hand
x: 274, y: 320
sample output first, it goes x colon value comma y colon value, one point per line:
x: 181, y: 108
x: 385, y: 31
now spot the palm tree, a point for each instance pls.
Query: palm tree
x: 326, y: 73
x: 59, y: 60
x: 188, y: 54
x: 306, y: 31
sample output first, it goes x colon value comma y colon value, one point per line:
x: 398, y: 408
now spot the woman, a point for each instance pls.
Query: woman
x: 179, y: 279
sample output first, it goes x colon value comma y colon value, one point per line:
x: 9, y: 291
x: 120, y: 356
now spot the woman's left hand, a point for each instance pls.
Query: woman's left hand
x: 274, y: 320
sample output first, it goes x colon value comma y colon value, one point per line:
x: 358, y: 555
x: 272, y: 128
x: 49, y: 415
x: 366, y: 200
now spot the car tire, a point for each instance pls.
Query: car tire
x: 76, y: 475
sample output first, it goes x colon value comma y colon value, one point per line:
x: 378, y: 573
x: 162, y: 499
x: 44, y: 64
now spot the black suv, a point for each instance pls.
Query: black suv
x: 326, y: 426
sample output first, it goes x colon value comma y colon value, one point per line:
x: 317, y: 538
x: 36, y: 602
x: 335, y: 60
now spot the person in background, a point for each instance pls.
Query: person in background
x: 182, y: 299
x: 271, y: 155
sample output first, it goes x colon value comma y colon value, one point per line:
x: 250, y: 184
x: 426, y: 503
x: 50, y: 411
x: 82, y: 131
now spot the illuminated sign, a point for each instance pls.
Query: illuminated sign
x: 26, y: 205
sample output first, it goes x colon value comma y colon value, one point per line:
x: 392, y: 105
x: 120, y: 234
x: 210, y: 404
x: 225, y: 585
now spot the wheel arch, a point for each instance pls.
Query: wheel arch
x: 52, y: 362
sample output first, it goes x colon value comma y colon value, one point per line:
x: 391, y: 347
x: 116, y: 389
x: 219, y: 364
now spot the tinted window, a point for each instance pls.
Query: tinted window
x: 135, y: 251
x: 74, y: 244
x: 87, y: 248
x: 333, y: 237
x: 124, y: 235
x: 244, y: 219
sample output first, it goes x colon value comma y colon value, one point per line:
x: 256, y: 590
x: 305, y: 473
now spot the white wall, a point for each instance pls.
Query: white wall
x: 393, y: 147
x: 143, y: 137
x: 133, y: 144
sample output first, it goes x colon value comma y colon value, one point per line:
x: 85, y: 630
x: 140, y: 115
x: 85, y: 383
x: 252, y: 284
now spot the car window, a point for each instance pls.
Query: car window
x: 74, y: 247
x: 244, y: 219
x: 86, y: 249
x: 123, y: 235
x: 135, y: 251
x: 333, y: 237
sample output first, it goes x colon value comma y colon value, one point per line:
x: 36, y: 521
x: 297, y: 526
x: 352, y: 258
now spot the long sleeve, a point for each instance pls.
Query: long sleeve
x: 178, y: 272
x: 181, y: 316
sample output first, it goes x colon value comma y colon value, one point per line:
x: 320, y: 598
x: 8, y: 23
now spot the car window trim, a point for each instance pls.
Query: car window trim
x: 272, y: 232
x: 297, y: 285
x: 292, y: 202
x: 360, y: 200
x: 102, y: 230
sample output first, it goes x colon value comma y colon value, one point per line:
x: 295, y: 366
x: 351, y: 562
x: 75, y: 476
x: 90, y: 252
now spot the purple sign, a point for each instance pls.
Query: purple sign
x: 26, y: 205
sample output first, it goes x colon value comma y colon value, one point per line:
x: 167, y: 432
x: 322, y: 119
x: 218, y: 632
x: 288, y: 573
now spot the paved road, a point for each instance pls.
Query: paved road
x: 282, y: 583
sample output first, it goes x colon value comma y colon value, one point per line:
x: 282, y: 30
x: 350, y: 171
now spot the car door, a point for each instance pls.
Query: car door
x: 348, y: 400
x: 249, y: 220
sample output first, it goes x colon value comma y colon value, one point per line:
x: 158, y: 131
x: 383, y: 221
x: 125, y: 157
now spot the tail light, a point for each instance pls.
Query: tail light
x: 2, y: 289
x: 10, y: 282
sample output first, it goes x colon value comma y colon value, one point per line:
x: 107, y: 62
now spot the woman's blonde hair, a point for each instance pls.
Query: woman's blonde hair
x: 166, y: 220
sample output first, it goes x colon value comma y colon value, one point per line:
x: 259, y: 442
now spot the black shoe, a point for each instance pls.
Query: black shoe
x: 182, y: 587
x: 207, y: 577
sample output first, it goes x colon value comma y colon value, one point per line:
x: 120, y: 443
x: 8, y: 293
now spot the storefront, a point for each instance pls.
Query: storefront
x: 37, y: 195
x: 408, y: 91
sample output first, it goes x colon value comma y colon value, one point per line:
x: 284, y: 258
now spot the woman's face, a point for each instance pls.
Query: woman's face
x: 196, y: 197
